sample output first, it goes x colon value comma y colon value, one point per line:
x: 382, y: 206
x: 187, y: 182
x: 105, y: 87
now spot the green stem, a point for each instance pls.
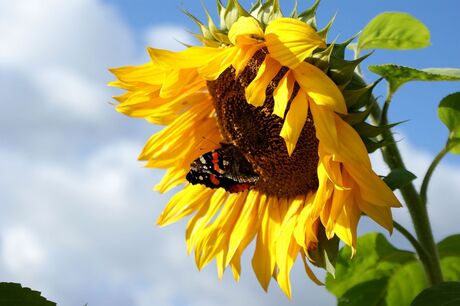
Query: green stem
x: 417, y: 209
x: 418, y: 248
x: 386, y: 107
x: 429, y: 173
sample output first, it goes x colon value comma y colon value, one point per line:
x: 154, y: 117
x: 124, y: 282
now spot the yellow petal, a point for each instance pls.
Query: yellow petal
x: 320, y: 87
x: 210, y: 62
x: 295, y: 121
x: 192, y: 57
x: 263, y: 261
x: 380, y: 214
x: 304, y: 231
x: 372, y: 189
x: 290, y: 41
x: 326, y: 130
x: 351, y: 146
x: 218, y: 64
x: 286, y: 246
x: 246, y: 226
x: 346, y: 226
x: 172, y: 178
x: 147, y: 73
x: 242, y: 57
x: 215, y: 236
x: 246, y: 30
x: 255, y: 92
x: 184, y: 203
x: 199, y: 221
x: 309, y: 272
x: 175, y: 81
x: 283, y: 93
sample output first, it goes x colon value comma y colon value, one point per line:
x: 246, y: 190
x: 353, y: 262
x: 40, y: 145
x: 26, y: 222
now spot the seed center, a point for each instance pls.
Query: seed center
x: 255, y: 131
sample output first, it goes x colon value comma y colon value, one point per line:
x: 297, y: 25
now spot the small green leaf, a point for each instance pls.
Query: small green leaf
x: 444, y: 294
x: 398, y: 75
x: 12, y: 294
x: 449, y: 252
x: 449, y: 112
x: 399, y: 178
x: 394, y: 30
x: 325, y: 255
x: 449, y: 246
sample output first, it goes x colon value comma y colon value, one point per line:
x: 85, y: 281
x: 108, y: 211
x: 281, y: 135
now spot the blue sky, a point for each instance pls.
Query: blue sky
x: 78, y: 213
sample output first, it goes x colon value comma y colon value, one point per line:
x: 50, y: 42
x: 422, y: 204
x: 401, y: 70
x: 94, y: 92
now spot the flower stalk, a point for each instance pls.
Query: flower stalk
x: 414, y: 202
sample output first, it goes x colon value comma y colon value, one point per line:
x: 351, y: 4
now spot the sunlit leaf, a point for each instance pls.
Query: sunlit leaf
x: 449, y: 114
x: 376, y: 259
x: 398, y: 75
x: 394, y: 30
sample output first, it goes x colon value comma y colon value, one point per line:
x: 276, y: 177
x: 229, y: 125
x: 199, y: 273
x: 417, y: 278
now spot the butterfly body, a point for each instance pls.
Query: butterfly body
x: 224, y: 167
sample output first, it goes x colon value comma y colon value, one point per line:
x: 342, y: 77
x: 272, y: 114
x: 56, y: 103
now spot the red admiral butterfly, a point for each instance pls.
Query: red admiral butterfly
x: 224, y: 167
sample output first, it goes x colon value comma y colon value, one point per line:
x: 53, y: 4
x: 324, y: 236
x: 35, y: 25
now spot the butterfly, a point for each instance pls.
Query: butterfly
x: 225, y: 167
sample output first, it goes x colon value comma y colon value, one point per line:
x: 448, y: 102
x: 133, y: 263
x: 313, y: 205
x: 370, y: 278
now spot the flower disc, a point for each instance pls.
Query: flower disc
x: 256, y: 132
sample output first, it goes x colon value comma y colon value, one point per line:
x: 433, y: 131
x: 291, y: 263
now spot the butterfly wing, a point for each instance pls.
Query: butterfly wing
x: 225, y: 167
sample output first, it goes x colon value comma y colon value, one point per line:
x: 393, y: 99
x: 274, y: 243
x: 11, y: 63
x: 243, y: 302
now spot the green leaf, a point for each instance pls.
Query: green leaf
x: 449, y: 252
x: 325, y: 255
x: 398, y: 75
x: 405, y: 284
x: 394, y: 30
x: 398, y: 178
x: 444, y: 294
x: 449, y: 246
x: 367, y: 293
x: 376, y: 258
x: 449, y: 114
x: 12, y: 294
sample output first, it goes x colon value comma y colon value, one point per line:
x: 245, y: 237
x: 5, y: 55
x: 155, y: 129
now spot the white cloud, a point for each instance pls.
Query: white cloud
x: 443, y: 192
x: 168, y: 37
x: 22, y: 251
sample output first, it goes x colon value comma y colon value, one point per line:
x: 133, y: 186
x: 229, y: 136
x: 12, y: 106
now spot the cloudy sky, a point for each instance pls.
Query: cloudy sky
x: 78, y: 214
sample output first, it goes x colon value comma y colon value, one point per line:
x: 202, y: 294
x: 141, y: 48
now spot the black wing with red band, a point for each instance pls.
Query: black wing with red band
x: 225, y: 167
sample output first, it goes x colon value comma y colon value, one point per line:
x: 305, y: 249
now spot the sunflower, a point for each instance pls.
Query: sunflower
x: 269, y: 111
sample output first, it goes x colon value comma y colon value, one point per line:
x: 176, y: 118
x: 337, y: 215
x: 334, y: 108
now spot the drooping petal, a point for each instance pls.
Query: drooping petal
x: 319, y: 87
x: 283, y: 93
x: 243, y: 55
x: 380, y: 214
x: 372, y: 189
x: 326, y: 130
x: 255, y: 92
x: 295, y: 121
x: 290, y: 41
x: 246, y: 30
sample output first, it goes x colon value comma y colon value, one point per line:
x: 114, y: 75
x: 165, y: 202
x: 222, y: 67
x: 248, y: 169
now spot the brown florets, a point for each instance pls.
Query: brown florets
x: 255, y: 131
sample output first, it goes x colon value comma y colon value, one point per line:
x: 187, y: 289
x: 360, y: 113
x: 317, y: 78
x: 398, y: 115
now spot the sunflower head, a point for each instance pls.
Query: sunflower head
x: 267, y: 122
